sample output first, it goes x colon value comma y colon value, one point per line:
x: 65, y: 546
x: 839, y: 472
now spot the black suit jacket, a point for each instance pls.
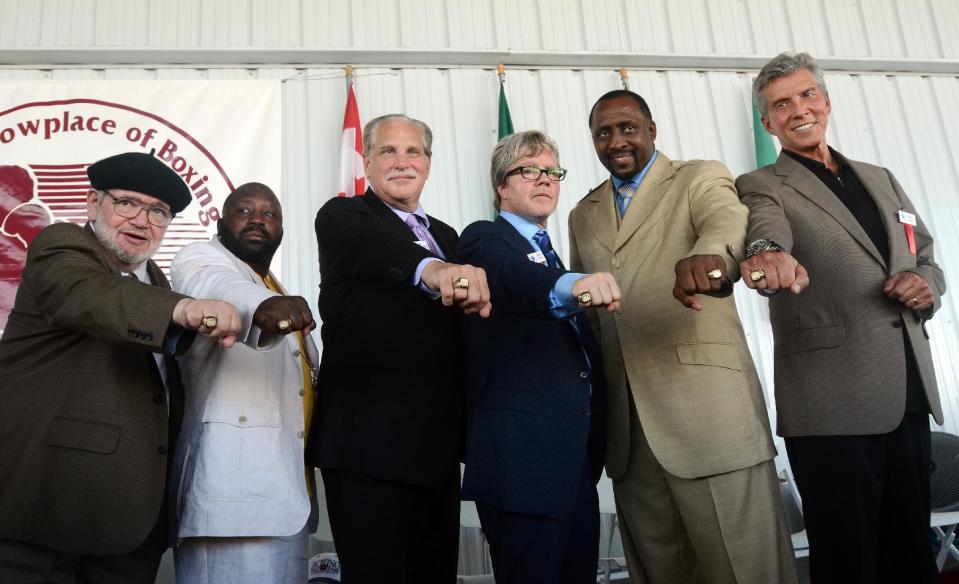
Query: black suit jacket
x: 391, y: 399
x: 84, y: 422
x: 537, y: 406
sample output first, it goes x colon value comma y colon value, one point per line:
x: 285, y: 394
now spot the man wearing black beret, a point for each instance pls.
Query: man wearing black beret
x: 90, y: 393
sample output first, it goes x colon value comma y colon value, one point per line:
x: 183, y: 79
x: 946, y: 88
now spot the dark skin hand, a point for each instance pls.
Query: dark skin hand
x: 909, y: 289
x: 292, y: 308
x: 692, y: 278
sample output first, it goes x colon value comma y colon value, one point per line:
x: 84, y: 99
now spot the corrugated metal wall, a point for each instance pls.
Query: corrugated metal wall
x: 893, y: 101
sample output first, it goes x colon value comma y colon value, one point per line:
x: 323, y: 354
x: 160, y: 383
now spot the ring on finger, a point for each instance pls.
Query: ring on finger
x: 714, y: 274
x: 209, y: 322
x: 757, y: 275
x: 584, y: 298
x: 284, y: 325
x: 462, y: 283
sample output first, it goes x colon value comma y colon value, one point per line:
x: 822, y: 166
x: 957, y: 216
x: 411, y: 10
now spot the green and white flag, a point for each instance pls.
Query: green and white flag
x: 505, y: 120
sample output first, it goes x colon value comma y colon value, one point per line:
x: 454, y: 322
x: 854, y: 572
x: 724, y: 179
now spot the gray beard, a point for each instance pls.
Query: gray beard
x: 113, y: 247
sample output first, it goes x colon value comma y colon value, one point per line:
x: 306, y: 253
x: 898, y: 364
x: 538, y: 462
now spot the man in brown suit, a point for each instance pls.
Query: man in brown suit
x: 690, y: 451
x: 90, y: 392
x: 854, y: 375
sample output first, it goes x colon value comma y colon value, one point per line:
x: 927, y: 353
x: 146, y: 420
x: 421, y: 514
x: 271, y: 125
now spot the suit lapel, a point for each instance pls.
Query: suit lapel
x: 601, y: 214
x: 875, y: 182
x: 808, y: 185
x: 649, y: 194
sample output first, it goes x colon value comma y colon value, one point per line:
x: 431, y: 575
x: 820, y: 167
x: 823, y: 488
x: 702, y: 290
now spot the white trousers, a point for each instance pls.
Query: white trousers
x: 243, y: 560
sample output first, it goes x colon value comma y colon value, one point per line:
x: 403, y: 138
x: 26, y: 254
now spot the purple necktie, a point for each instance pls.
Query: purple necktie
x: 413, y: 222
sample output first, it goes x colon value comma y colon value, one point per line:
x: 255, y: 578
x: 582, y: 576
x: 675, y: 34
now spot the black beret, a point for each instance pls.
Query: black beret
x: 142, y: 173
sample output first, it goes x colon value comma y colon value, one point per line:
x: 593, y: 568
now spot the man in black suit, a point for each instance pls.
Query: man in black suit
x: 536, y: 432
x: 387, y: 432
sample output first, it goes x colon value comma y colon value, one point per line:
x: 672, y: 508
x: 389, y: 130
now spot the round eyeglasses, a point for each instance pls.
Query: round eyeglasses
x: 130, y: 208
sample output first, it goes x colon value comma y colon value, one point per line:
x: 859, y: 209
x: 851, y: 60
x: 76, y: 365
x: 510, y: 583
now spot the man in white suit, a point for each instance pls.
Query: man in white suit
x: 244, y: 495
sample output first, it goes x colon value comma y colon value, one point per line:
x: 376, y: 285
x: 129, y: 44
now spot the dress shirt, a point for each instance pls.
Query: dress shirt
x: 636, y: 179
x: 561, y: 300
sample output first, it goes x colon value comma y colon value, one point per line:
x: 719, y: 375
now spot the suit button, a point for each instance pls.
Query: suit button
x: 162, y: 449
x: 243, y: 419
x: 296, y: 353
x: 583, y: 375
x: 159, y: 398
x: 300, y: 434
x: 617, y: 263
x: 586, y: 412
x: 302, y: 392
x: 897, y: 323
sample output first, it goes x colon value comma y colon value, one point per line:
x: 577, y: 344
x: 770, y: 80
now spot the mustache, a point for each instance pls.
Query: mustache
x: 252, y: 228
x: 402, y: 174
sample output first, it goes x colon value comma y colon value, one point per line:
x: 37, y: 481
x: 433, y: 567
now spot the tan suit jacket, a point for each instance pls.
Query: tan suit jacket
x: 840, y: 359
x: 690, y: 373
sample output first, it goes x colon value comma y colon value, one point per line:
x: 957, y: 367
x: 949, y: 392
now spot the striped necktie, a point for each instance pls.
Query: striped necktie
x: 626, y: 191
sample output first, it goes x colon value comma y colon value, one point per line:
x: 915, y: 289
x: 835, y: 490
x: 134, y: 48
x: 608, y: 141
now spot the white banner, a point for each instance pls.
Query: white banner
x: 216, y: 135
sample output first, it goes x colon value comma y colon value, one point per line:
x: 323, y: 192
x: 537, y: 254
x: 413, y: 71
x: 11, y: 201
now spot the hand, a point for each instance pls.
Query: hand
x: 782, y: 271
x: 291, y: 308
x: 439, y: 277
x: 692, y: 277
x: 189, y: 314
x: 909, y: 289
x: 603, y: 289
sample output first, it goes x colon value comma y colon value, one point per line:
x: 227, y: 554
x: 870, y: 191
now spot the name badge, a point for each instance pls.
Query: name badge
x: 537, y: 256
x: 907, y: 218
x: 422, y: 244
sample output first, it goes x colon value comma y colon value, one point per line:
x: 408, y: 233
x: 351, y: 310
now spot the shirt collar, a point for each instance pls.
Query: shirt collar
x: 638, y: 177
x: 525, y: 227
x: 419, y: 212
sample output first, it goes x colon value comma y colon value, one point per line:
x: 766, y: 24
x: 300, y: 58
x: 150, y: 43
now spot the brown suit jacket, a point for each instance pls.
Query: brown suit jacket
x: 83, y: 425
x: 840, y: 359
x: 690, y: 373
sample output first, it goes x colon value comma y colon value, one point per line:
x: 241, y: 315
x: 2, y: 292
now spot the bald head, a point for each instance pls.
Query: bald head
x: 252, y: 225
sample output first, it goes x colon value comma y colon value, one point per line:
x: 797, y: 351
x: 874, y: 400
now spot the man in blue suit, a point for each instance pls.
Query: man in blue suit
x: 536, y: 429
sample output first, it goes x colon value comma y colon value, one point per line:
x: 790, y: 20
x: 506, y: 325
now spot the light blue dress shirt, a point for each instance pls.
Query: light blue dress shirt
x: 636, y: 178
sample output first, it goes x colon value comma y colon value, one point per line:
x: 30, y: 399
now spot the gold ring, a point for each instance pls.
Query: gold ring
x: 461, y: 283
x: 757, y: 275
x: 585, y: 298
x: 209, y: 322
x: 915, y: 301
x: 283, y: 325
x: 714, y: 274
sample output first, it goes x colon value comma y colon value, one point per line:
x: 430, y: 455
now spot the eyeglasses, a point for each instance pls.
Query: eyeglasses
x: 534, y: 172
x: 130, y: 208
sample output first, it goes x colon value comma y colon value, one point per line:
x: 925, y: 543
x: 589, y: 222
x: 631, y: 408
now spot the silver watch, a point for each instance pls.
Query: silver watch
x: 762, y: 246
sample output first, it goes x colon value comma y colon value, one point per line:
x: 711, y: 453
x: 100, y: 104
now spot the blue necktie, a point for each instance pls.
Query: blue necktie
x: 542, y: 240
x: 626, y: 191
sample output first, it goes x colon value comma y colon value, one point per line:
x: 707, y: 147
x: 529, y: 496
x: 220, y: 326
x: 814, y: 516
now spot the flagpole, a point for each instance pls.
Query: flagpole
x: 624, y: 77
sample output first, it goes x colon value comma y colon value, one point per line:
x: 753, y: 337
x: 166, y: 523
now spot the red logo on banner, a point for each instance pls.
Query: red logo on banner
x: 54, y: 142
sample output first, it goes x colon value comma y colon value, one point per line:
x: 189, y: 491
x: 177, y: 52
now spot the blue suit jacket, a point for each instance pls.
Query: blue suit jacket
x: 536, y: 407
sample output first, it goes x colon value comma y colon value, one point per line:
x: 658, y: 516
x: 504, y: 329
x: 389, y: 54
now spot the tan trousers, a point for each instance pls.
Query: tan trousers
x: 722, y: 529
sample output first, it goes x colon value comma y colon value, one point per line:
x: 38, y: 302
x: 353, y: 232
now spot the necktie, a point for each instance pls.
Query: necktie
x: 626, y: 191
x: 413, y: 222
x: 546, y: 246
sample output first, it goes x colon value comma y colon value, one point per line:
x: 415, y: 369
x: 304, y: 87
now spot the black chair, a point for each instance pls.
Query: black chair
x: 944, y: 494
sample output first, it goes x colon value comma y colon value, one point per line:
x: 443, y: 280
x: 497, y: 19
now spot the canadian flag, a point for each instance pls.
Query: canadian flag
x: 352, y: 180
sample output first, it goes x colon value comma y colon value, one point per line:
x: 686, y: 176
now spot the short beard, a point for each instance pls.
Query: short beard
x: 257, y: 252
x: 109, y: 241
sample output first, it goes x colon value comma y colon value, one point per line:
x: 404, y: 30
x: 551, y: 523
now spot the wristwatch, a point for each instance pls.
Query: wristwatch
x: 762, y: 246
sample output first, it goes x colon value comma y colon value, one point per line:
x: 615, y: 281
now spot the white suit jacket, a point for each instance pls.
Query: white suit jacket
x: 238, y: 468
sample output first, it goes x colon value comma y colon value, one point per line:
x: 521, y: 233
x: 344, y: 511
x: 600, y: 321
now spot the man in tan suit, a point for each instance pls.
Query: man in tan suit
x: 690, y: 451
x: 854, y: 375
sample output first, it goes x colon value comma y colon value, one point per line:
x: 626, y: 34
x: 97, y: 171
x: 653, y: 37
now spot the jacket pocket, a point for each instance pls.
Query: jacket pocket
x: 237, y: 452
x: 83, y: 435
x: 824, y: 337
x: 723, y: 355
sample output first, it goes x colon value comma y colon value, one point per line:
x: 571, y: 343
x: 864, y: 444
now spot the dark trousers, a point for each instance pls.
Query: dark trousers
x: 22, y: 563
x: 866, y: 505
x: 385, y: 531
x: 531, y: 549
